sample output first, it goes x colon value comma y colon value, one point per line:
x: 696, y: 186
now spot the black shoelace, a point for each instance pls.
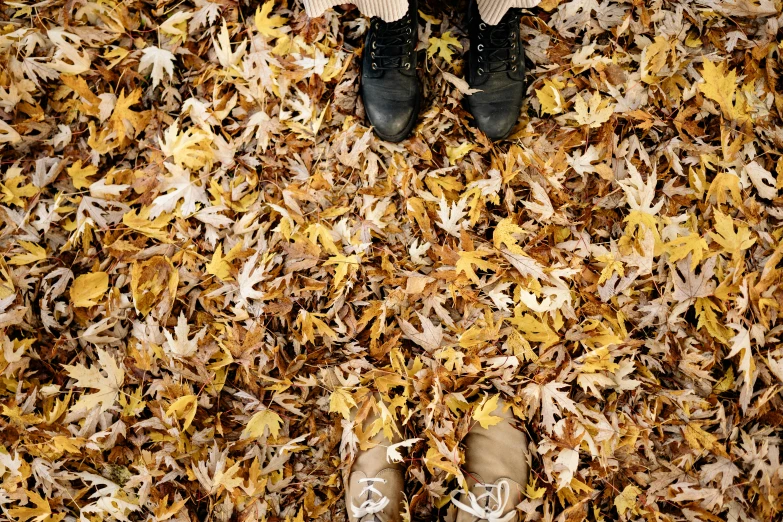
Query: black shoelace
x: 390, y: 47
x: 497, y: 46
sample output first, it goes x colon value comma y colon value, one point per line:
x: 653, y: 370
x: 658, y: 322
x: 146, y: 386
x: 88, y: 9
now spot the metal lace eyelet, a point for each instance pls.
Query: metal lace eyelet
x: 372, y: 55
x: 409, y: 30
x: 514, y: 69
x: 513, y: 45
x: 480, y: 47
x: 480, y: 59
x: 513, y: 57
x: 374, y: 44
x: 375, y: 66
x: 482, y: 26
x: 481, y: 72
x: 407, y: 67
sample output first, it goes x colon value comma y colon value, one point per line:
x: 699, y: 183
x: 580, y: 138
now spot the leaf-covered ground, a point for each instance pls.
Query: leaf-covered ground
x: 211, y: 265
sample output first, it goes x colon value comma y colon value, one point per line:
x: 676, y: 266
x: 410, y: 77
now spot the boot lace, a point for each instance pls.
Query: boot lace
x: 496, y: 494
x: 391, y: 43
x: 498, y: 45
x: 370, y: 506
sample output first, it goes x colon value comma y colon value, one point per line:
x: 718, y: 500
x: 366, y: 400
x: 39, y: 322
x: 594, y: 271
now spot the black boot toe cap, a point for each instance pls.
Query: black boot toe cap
x: 393, y: 121
x: 496, y: 120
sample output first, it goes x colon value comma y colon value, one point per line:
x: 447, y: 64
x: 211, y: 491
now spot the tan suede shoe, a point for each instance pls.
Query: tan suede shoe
x: 374, y: 487
x: 496, y: 469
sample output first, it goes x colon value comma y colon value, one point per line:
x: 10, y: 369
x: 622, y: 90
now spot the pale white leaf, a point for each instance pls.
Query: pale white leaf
x: 160, y: 60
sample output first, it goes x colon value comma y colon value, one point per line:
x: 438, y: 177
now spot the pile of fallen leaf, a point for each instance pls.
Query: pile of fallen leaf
x: 211, y: 266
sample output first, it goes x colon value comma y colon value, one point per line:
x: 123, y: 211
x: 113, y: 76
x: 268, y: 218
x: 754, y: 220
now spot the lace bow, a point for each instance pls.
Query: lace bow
x: 496, y: 494
x: 370, y: 506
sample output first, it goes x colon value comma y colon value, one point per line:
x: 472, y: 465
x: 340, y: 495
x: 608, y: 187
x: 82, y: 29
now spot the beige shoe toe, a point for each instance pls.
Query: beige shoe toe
x: 374, y: 488
x: 497, y: 470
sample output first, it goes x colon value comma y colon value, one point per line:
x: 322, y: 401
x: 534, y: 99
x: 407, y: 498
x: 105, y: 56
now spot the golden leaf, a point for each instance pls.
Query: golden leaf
x: 341, y: 401
x: 267, y: 25
x: 483, y: 412
x: 38, y: 513
x: 87, y: 289
x: 441, y: 46
x: 34, y: 254
x: 468, y: 259
x: 720, y: 85
x: 150, y: 279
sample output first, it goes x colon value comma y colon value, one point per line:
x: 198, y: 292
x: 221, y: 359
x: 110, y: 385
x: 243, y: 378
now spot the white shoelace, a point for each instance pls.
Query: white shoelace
x: 496, y: 494
x: 370, y: 506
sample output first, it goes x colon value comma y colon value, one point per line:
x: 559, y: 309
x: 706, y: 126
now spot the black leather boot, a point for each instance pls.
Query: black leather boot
x: 496, y: 65
x: 390, y: 87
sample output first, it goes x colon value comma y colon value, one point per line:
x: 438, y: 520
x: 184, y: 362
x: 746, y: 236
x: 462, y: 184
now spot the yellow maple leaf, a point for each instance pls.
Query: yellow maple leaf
x: 14, y: 192
x: 468, y: 259
x: 34, y: 254
x: 654, y: 58
x: 550, y: 98
x: 451, y: 357
x: 598, y: 360
x: 626, y: 501
x: 220, y: 265
x: 435, y: 459
x: 441, y: 46
x: 176, y: 26
x: 260, y: 422
x: 612, y: 265
x: 190, y: 148
x: 457, y: 153
x: 733, y: 242
x: 344, y: 263
x: 724, y: 184
x: 594, y: 113
x: 341, y: 401
x: 90, y: 102
x: 699, y: 439
x: 312, y: 325
x: 483, y: 412
x: 503, y: 235
x: 38, y: 513
x: 318, y: 233
x: 184, y: 408
x: 533, y: 329
x: 115, y: 53
x: 531, y: 491
x: 428, y: 18
x: 80, y: 174
x: 720, y: 86
x: 87, y: 289
x: 125, y: 122
x: 520, y: 346
x: 164, y: 512
x: 725, y: 383
x: 708, y: 318
x: 155, y: 229
x: 269, y: 25
x: 149, y: 281
x: 680, y: 247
